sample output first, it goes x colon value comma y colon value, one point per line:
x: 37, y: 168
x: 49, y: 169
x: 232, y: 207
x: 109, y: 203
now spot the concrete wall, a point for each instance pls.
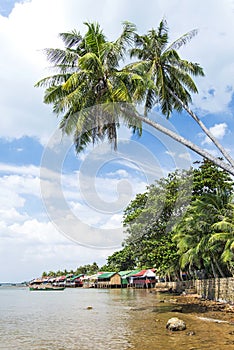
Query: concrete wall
x: 214, y: 289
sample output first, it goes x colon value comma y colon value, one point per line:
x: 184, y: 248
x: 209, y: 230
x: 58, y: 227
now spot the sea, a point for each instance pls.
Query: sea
x: 96, y: 319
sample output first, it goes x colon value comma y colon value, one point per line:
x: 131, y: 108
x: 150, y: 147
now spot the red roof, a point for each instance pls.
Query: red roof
x: 141, y: 273
x: 61, y: 278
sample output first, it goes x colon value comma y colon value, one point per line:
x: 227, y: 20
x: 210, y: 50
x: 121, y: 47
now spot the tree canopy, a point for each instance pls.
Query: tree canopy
x: 90, y: 72
x: 184, y: 222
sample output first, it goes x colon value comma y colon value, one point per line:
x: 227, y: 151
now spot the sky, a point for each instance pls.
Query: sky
x: 59, y: 210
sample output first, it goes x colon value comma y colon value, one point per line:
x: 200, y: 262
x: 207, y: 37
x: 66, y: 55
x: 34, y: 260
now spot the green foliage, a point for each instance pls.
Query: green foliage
x: 134, y: 209
x: 184, y: 221
x: 208, y: 178
x: 205, y: 235
x: 149, y: 218
x: 88, y: 74
x: 88, y: 269
x: 165, y: 73
x: 120, y: 261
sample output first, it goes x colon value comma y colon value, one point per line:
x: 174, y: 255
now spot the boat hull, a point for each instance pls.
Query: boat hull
x: 45, y: 288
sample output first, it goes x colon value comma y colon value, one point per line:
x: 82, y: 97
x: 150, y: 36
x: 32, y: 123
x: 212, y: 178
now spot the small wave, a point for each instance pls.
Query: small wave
x: 211, y: 320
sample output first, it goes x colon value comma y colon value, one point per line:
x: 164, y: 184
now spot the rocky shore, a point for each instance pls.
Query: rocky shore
x: 203, y: 307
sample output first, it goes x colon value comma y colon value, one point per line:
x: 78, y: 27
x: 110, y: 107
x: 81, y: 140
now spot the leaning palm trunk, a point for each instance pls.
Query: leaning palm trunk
x: 89, y: 75
x: 227, y: 167
x: 168, y: 79
x: 205, y: 129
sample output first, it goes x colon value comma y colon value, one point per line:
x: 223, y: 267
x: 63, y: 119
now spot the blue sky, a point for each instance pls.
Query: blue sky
x: 59, y: 210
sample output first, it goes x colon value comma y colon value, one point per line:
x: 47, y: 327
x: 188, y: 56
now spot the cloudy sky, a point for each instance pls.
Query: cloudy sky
x: 59, y: 210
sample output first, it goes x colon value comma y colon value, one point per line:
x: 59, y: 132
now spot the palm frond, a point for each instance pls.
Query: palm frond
x: 71, y: 39
x: 53, y: 94
x: 89, y: 62
x: 61, y: 57
x: 126, y: 38
x: 183, y: 40
x: 52, y: 80
x: 94, y: 38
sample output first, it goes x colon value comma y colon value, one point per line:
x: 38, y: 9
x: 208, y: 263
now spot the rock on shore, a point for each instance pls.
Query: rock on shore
x: 175, y: 324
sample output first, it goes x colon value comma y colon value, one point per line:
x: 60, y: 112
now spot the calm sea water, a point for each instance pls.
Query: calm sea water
x: 119, y: 319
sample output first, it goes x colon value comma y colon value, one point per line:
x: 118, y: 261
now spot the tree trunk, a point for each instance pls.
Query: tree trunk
x: 213, y: 269
x: 188, y: 144
x: 206, y: 130
x: 219, y: 268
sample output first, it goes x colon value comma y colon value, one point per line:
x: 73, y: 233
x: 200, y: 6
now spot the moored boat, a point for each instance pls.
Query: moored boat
x: 44, y: 287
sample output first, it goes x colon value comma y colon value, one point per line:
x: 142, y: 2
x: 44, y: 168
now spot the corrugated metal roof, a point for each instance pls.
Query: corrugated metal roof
x: 124, y: 273
x: 61, y: 278
x: 106, y: 275
x: 140, y: 273
x: 133, y: 272
x: 145, y: 273
x: 77, y: 276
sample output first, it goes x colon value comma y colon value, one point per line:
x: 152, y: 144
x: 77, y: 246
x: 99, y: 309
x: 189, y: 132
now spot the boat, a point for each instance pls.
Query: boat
x: 45, y: 287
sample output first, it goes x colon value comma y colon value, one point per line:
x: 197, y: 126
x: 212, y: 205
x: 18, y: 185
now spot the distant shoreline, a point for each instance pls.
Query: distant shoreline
x: 13, y: 284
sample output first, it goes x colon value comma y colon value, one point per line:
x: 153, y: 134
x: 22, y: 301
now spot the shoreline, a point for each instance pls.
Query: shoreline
x: 194, y: 303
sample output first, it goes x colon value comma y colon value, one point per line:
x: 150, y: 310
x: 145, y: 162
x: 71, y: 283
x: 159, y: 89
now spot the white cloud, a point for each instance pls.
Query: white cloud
x: 35, y: 232
x: 33, y: 247
x: 16, y: 184
x: 214, y: 152
x: 34, y: 243
x: 114, y: 221
x: 21, y: 170
x: 121, y: 172
x: 11, y: 215
x: 218, y: 130
x: 171, y: 154
x: 185, y: 156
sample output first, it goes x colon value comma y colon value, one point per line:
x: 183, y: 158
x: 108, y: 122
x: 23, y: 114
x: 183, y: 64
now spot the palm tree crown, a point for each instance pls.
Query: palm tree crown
x: 167, y: 74
x: 168, y: 78
x: 89, y: 75
x: 90, y: 72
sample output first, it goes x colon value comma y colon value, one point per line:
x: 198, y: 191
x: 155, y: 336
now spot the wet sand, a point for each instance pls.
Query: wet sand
x: 213, y: 309
x: 209, y: 325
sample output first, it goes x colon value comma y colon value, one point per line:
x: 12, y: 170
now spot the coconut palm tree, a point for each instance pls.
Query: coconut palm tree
x: 170, y: 75
x: 192, y: 235
x: 170, y: 78
x: 205, y: 237
x: 88, y: 74
x: 223, y: 237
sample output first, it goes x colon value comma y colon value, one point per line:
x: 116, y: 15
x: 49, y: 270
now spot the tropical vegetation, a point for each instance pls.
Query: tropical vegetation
x: 182, y: 224
x: 88, y: 269
x: 90, y: 73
